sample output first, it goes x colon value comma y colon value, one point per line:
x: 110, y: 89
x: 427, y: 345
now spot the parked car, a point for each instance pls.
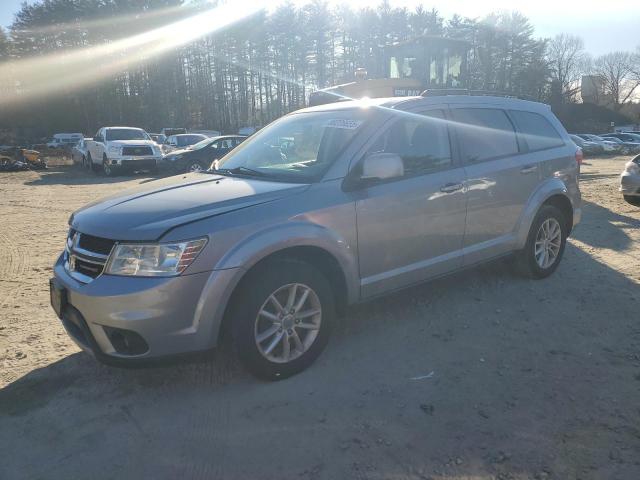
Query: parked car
x: 607, y: 146
x: 631, y: 139
x: 207, y: 133
x: 195, y: 158
x: 626, y: 148
x: 117, y: 149
x: 271, y: 243
x: 64, y: 140
x: 588, y: 148
x: 159, y: 138
x: 630, y: 182
x: 168, y: 131
x: 175, y: 142
x: 79, y: 153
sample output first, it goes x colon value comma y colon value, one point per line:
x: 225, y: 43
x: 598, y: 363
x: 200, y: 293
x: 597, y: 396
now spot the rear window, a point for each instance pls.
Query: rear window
x: 484, y: 133
x: 536, y: 130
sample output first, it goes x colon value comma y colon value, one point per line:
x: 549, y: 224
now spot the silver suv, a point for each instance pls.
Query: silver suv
x: 326, y: 207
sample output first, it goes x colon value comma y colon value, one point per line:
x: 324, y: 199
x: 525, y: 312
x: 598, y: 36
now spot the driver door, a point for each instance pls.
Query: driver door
x: 411, y: 228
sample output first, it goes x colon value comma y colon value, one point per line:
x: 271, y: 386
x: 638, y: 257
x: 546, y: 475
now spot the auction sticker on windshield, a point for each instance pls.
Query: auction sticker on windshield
x: 344, y: 123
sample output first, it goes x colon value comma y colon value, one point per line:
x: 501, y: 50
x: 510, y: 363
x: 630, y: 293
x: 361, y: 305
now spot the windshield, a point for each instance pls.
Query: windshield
x: 126, y: 134
x: 298, y: 148
x: 204, y: 143
x: 184, y: 140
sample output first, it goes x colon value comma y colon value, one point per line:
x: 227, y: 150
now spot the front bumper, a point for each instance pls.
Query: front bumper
x: 163, y: 316
x: 135, y: 163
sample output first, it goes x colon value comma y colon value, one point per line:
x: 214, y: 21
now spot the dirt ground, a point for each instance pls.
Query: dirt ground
x: 482, y: 375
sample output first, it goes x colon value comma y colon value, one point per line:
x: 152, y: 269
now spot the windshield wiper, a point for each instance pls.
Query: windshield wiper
x: 241, y: 171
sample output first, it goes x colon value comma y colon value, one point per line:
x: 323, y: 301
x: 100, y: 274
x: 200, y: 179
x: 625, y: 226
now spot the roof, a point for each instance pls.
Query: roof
x: 402, y: 103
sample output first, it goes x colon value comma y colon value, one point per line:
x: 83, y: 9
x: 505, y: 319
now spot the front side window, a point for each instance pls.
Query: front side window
x: 484, y: 134
x: 299, y: 147
x: 536, y: 130
x: 421, y: 140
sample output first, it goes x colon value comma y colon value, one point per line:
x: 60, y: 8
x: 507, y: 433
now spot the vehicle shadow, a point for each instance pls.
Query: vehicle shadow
x: 602, y: 227
x: 75, y: 175
x: 480, y: 374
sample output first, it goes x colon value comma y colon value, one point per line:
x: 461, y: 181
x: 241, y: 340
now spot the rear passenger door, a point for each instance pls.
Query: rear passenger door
x: 499, y: 179
x: 411, y: 228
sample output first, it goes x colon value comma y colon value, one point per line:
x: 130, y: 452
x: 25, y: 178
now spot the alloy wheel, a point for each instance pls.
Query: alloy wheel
x: 195, y: 167
x: 288, y: 323
x: 548, y: 243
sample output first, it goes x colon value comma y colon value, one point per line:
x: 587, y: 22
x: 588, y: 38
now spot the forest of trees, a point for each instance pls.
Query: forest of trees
x: 261, y: 67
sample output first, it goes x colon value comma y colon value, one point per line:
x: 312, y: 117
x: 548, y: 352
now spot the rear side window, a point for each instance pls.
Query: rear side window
x: 536, y: 130
x: 484, y: 134
x: 421, y: 140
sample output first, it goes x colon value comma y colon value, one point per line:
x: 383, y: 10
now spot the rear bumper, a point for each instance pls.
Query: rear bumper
x: 128, y: 319
x: 629, y: 184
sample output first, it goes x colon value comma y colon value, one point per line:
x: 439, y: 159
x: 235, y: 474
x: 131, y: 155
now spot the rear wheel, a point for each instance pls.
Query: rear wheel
x: 545, y: 244
x: 632, y: 199
x: 282, y: 318
x: 90, y: 163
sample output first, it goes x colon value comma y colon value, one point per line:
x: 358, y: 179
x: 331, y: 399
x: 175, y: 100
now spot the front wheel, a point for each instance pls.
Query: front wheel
x: 194, y: 167
x: 107, y: 169
x: 282, y: 318
x: 632, y: 199
x: 545, y: 244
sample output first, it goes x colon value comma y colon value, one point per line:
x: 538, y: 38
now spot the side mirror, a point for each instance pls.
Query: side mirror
x: 382, y: 166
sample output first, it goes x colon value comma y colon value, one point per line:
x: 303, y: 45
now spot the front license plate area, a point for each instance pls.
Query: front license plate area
x: 58, y: 296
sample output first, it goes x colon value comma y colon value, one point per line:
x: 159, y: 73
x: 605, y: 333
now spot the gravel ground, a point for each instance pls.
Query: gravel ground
x: 481, y: 375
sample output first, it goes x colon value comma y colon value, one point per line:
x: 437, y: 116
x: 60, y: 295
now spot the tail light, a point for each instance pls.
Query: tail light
x: 579, y: 156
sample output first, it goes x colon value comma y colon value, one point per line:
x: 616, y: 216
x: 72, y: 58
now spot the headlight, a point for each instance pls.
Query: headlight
x: 632, y: 168
x: 153, y: 260
x: 156, y: 150
x: 115, y: 149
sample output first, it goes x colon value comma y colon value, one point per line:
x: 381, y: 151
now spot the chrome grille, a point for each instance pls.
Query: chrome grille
x: 86, y: 255
x: 137, y: 151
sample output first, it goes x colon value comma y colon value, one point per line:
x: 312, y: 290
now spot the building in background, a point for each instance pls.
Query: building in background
x: 408, y: 69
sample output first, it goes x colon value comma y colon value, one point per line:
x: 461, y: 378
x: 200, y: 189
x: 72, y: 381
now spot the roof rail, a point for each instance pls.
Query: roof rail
x: 439, y: 92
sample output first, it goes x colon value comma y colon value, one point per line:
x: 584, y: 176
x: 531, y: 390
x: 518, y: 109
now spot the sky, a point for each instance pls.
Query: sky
x: 604, y: 26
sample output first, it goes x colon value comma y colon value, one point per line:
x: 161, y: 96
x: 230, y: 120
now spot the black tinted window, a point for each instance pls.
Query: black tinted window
x: 421, y: 140
x: 536, y: 130
x: 484, y: 133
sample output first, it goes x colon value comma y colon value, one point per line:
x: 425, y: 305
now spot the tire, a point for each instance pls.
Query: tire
x: 632, y: 199
x: 107, y: 170
x: 194, y: 166
x: 277, y: 278
x: 92, y: 167
x: 534, y: 266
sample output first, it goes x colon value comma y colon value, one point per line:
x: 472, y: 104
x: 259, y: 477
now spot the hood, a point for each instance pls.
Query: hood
x: 147, y: 212
x: 179, y: 151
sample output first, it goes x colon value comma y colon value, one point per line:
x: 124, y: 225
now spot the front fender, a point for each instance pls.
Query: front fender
x: 551, y: 187
x: 276, y: 238
x: 232, y: 267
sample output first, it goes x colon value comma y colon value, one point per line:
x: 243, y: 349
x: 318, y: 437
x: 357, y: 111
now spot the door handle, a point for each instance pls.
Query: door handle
x: 451, y: 187
x: 529, y: 169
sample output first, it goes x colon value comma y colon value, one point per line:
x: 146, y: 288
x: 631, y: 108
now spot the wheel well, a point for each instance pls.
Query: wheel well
x: 563, y: 204
x: 315, y: 256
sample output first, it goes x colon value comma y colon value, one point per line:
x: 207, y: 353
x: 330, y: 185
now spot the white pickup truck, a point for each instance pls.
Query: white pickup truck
x: 116, y: 149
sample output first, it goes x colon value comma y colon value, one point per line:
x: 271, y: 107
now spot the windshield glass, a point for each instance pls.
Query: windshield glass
x: 204, y: 143
x: 126, y: 134
x: 298, y: 148
x: 184, y: 140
